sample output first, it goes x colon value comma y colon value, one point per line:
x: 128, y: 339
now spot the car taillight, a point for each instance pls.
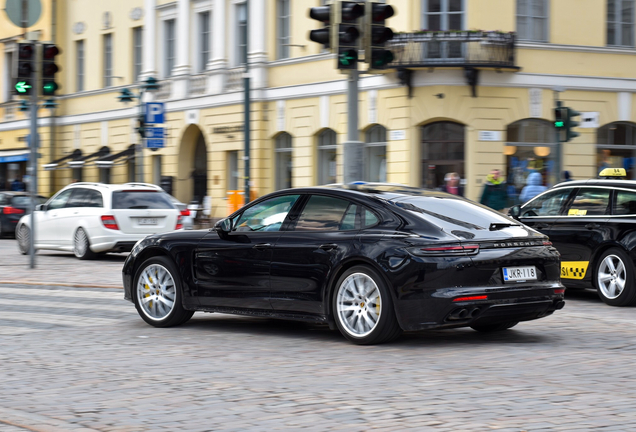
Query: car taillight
x: 559, y: 291
x: 179, y: 222
x: 185, y: 212
x: 12, y: 210
x: 110, y: 222
x: 471, y: 298
x: 448, y: 250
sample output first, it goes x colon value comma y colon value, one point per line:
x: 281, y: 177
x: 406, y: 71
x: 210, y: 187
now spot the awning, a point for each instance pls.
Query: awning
x: 79, y: 163
x: 109, y: 160
x: 8, y: 156
x: 75, y: 155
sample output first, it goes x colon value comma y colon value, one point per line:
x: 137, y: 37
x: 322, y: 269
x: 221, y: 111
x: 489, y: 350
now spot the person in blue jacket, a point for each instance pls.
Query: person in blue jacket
x: 534, y: 186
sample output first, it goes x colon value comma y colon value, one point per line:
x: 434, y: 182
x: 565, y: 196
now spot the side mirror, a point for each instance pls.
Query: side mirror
x: 40, y: 207
x: 224, y: 226
x: 515, y: 211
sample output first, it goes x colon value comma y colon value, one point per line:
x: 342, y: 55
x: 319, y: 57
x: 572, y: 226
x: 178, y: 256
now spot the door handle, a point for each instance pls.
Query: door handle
x: 328, y: 246
x: 542, y: 226
x: 592, y: 225
x: 262, y: 246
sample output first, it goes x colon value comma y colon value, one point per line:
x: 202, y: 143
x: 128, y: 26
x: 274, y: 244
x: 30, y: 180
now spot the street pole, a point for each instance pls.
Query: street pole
x: 33, y: 142
x: 557, y: 162
x: 246, y: 105
x: 352, y: 147
x: 139, y: 150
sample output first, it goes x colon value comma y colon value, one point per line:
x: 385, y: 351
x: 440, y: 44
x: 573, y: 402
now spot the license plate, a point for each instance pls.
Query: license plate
x: 519, y: 274
x: 147, y: 221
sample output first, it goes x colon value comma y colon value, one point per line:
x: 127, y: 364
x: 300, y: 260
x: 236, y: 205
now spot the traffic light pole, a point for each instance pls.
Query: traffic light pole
x: 139, y: 148
x: 557, y: 156
x: 353, y: 146
x: 33, y: 142
x: 246, y: 105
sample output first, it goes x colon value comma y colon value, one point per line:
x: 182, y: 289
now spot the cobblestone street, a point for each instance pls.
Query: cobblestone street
x: 79, y: 358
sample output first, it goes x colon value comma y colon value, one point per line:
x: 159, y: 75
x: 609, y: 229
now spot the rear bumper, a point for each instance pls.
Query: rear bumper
x: 502, y: 304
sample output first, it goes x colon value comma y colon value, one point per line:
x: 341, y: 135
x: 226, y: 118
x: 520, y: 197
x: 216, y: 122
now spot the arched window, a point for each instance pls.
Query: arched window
x: 375, y: 154
x: 529, y: 145
x: 616, y: 147
x: 442, y: 152
x: 283, y: 166
x: 327, y: 149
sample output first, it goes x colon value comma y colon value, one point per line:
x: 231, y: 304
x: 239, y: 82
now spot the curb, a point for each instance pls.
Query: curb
x: 38, y: 423
x: 71, y: 285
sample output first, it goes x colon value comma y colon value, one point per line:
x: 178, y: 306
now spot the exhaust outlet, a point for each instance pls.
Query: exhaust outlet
x: 463, y: 314
x: 559, y: 304
x: 474, y: 312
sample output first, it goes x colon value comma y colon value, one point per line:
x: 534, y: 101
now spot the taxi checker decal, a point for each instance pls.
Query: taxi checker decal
x: 573, y: 269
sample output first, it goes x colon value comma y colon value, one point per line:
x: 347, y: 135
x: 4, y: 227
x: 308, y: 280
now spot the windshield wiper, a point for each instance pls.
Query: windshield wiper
x: 498, y: 226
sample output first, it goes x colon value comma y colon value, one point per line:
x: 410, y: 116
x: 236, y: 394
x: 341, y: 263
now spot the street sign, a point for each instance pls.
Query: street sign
x: 154, y: 113
x: 14, y: 12
x: 155, y: 137
x: 590, y: 120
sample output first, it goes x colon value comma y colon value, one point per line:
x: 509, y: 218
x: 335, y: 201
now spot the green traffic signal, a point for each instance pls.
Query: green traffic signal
x: 23, y: 87
x: 559, y: 124
x: 49, y: 88
x: 348, y: 58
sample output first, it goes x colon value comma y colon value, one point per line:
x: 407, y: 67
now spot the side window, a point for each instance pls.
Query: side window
x: 78, y: 198
x: 369, y: 219
x: 94, y: 199
x: 323, y: 213
x: 59, y: 200
x: 349, y: 219
x: 548, y: 204
x: 590, y: 202
x: 625, y: 203
x: 268, y: 215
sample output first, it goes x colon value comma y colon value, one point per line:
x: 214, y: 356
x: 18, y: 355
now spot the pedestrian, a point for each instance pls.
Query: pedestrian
x: 18, y: 185
x: 452, y: 185
x: 567, y: 176
x: 534, y: 186
x: 495, y: 193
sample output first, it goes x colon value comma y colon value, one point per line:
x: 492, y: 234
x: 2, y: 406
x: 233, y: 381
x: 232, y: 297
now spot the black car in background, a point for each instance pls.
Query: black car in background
x: 371, y: 260
x: 592, y: 223
x: 14, y: 205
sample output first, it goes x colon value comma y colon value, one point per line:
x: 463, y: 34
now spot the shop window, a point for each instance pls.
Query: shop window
x: 327, y: 152
x: 616, y: 147
x: 442, y: 152
x: 375, y: 154
x: 283, y: 161
x: 529, y: 148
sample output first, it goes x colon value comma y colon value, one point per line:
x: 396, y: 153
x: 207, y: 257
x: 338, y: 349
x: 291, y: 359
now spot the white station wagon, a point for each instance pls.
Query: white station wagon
x: 92, y: 218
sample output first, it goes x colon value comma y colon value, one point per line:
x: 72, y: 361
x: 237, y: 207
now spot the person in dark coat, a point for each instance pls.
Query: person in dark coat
x: 452, y: 185
x: 18, y: 185
x: 495, y: 194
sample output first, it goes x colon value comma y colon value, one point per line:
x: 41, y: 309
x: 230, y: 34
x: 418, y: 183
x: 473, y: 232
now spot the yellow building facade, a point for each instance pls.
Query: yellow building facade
x: 418, y: 120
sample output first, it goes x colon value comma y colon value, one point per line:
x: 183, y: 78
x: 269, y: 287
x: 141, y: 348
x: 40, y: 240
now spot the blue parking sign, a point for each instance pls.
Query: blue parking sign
x: 154, y: 113
x: 155, y: 137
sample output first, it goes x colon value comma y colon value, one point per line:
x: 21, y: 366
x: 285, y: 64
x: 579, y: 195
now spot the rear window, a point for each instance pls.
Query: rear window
x: 454, y: 213
x: 25, y: 201
x: 136, y: 200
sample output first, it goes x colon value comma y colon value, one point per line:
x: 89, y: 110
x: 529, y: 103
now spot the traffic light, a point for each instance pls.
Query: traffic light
x: 571, y: 123
x: 376, y: 35
x: 560, y: 116
x: 323, y: 35
x: 141, y: 127
x: 25, y: 69
x: 348, y: 34
x: 49, y: 69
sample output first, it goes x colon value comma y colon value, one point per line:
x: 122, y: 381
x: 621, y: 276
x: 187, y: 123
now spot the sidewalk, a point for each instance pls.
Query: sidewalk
x: 59, y: 268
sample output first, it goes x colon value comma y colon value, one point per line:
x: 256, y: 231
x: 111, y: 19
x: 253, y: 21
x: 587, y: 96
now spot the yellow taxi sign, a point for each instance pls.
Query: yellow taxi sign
x: 613, y: 173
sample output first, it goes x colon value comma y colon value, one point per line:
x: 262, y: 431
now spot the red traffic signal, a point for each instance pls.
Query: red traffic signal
x: 49, y: 52
x: 26, y: 51
x: 323, y: 35
x: 381, y: 12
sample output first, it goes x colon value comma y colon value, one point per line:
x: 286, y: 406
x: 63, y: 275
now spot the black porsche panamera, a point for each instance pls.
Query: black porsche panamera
x: 371, y: 260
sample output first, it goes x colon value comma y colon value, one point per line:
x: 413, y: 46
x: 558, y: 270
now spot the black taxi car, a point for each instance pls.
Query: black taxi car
x: 592, y: 223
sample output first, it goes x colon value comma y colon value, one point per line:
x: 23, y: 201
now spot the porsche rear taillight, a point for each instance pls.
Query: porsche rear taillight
x: 449, y: 250
x: 110, y: 222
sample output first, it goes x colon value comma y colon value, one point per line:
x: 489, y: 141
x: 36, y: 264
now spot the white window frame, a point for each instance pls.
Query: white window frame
x: 107, y: 75
x: 80, y: 67
x: 165, y: 14
x: 200, y: 7
x: 530, y: 19
x: 369, y: 145
x: 617, y: 21
x: 137, y: 61
x: 234, y: 54
x: 444, y: 14
x: 325, y: 148
x: 10, y: 51
x: 277, y: 158
x: 283, y: 40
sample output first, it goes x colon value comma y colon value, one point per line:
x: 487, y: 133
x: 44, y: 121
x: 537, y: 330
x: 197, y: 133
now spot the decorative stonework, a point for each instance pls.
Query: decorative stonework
x: 136, y: 14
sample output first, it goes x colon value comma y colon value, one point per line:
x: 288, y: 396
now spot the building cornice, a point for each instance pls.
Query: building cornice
x: 575, y: 48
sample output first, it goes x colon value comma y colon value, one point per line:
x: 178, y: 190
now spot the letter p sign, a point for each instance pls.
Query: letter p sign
x: 154, y: 113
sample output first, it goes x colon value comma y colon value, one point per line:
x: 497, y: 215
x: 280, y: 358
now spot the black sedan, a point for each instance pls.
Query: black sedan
x: 371, y: 260
x: 14, y: 205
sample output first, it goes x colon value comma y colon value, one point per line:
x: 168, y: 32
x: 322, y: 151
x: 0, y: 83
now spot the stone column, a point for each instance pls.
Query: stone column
x: 217, y: 66
x: 181, y: 69
x: 149, y: 39
x: 257, y: 43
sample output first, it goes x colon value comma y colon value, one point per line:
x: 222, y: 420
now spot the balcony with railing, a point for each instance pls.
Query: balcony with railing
x: 433, y: 49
